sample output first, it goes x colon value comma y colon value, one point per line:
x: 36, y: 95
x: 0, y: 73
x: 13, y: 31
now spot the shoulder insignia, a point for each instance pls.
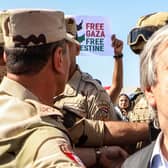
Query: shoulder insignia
x: 103, y: 111
x: 88, y: 78
x: 105, y: 107
x: 67, y: 151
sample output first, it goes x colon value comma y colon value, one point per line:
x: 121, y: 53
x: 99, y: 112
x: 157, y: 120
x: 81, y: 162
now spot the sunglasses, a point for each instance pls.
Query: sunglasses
x: 143, y: 32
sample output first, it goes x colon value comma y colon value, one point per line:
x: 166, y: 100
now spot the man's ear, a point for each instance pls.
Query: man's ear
x: 150, y: 96
x: 4, y: 57
x: 58, y: 60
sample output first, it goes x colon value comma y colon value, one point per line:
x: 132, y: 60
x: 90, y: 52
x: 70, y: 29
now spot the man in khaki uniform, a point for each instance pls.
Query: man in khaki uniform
x: 83, y: 95
x: 138, y: 36
x: 30, y: 74
x: 81, y: 129
x: 154, y: 82
x: 83, y: 98
x: 32, y: 134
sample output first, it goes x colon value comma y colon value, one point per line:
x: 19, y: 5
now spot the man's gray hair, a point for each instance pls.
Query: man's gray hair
x: 148, y: 75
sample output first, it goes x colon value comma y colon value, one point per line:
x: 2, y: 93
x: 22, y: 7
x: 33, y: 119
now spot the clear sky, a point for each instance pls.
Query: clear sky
x: 123, y: 15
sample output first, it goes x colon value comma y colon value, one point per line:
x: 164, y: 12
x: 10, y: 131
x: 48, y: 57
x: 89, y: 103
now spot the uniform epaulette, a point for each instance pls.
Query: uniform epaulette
x: 44, y: 110
x: 49, y: 115
x: 89, y: 79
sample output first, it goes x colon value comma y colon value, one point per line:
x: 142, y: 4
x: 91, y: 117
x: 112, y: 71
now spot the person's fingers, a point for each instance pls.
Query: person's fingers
x: 117, y: 43
x: 116, y: 152
x: 113, y: 37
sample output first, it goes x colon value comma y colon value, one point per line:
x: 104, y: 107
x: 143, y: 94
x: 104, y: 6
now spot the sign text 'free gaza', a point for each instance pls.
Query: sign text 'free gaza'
x: 94, y: 35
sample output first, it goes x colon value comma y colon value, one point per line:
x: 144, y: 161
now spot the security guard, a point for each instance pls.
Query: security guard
x: 145, y: 27
x: 78, y: 99
x: 32, y: 134
x: 84, y: 95
x: 138, y: 36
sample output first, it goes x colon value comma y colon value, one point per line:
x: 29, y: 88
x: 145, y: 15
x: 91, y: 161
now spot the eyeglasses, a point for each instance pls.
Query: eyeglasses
x: 143, y: 32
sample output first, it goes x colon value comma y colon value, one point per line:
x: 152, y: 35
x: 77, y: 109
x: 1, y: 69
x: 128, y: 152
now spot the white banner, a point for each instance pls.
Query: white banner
x: 94, y: 34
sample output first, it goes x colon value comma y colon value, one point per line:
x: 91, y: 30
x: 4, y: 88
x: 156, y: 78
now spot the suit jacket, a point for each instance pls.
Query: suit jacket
x: 140, y: 159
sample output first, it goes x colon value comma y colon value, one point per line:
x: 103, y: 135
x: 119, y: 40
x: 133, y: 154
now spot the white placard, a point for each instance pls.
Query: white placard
x: 94, y: 34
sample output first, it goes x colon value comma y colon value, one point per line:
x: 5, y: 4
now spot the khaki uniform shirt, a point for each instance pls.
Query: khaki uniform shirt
x: 83, y: 101
x: 32, y: 134
x: 85, y: 97
x: 141, y: 111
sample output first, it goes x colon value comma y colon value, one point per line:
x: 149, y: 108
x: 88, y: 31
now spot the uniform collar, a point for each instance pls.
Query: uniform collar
x: 16, y: 89
x: 72, y: 86
x: 76, y: 77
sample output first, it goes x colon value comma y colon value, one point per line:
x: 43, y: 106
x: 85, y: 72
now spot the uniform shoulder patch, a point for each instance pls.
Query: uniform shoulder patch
x: 88, y: 78
x: 67, y: 150
x: 102, y: 112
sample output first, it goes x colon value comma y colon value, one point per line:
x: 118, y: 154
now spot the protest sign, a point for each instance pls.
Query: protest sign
x: 94, y: 34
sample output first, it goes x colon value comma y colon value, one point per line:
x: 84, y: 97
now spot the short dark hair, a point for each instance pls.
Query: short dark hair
x: 124, y: 94
x: 30, y: 60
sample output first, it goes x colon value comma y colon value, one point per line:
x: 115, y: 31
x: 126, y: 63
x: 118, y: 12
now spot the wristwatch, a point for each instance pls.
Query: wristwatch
x: 118, y: 56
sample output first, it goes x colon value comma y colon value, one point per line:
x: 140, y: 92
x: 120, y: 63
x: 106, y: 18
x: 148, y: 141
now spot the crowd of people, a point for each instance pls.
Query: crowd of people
x: 52, y: 114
